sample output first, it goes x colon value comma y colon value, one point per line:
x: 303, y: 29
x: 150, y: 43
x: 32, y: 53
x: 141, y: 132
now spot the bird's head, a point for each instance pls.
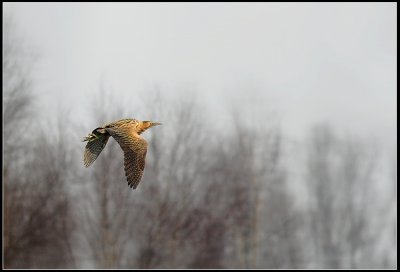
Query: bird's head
x: 146, y: 125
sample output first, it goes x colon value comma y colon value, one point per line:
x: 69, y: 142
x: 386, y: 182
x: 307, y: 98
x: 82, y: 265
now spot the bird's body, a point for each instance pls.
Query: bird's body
x: 127, y: 133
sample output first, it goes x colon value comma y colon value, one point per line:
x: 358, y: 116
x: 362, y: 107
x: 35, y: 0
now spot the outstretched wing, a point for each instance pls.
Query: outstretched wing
x: 93, y: 149
x: 135, y: 149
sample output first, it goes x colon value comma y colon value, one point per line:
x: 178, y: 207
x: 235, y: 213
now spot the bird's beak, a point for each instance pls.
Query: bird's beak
x: 155, y: 124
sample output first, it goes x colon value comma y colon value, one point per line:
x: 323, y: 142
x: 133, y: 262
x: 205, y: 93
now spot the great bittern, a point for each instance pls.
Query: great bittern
x: 127, y: 133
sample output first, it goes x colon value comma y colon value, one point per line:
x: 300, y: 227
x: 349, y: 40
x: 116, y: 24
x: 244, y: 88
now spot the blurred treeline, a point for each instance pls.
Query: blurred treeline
x: 207, y: 199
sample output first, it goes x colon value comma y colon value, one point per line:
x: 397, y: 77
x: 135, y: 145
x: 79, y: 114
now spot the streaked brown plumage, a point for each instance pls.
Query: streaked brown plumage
x: 127, y: 133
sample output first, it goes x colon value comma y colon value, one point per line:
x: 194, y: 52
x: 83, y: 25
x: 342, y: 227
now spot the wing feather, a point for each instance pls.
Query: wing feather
x: 93, y: 149
x: 135, y: 149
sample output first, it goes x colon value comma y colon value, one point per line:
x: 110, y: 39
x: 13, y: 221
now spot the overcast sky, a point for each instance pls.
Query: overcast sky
x: 306, y: 62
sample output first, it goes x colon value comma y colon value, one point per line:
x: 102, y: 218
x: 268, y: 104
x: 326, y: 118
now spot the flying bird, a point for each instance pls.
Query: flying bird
x: 127, y: 133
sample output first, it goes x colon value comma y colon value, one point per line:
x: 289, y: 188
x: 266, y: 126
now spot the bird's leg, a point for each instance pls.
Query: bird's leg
x: 90, y: 137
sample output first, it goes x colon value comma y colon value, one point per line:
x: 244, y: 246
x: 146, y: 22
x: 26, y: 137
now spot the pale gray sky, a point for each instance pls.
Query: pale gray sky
x: 306, y: 62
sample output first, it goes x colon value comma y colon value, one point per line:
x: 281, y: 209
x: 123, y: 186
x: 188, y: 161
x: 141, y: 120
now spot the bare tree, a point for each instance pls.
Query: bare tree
x: 223, y: 201
x: 261, y: 222
x: 37, y: 220
x: 17, y: 86
x: 341, y: 188
x: 108, y: 207
x: 205, y: 196
x: 171, y: 217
